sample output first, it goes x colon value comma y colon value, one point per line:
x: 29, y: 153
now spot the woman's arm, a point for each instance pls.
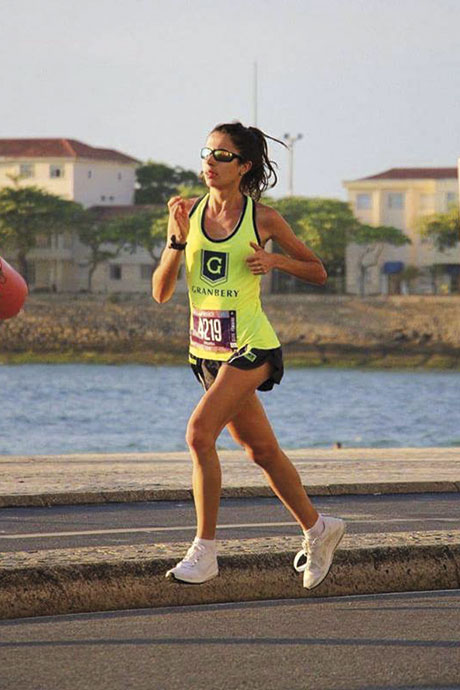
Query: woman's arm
x: 164, y: 278
x: 300, y: 261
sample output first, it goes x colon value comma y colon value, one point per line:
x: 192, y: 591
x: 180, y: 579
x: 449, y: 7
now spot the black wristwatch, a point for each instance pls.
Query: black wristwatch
x: 176, y: 245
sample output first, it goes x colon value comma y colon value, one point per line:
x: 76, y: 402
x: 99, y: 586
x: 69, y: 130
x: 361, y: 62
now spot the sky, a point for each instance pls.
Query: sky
x: 370, y: 84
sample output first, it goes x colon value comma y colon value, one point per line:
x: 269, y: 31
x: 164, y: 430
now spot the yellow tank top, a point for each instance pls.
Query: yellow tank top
x: 225, y: 309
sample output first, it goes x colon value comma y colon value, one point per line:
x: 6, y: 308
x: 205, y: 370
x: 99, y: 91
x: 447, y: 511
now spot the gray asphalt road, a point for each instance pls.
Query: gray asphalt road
x: 29, y: 529
x: 386, y: 641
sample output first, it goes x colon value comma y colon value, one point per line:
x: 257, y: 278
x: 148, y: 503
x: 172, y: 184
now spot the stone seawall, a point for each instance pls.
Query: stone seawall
x: 410, y: 330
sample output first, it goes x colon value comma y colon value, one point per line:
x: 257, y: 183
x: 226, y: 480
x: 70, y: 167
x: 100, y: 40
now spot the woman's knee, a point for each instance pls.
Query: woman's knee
x: 263, y: 454
x: 199, y: 437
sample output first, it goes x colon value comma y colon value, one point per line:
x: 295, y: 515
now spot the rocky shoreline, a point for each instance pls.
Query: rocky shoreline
x: 328, y: 330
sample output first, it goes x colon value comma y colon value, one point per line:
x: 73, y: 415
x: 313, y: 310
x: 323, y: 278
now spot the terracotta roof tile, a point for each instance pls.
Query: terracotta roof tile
x: 415, y: 174
x: 59, y: 148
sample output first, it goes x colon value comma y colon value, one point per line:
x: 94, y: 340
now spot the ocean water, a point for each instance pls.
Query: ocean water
x: 67, y: 408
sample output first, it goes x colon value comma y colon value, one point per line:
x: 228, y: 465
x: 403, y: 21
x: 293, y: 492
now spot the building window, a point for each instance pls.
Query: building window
x: 103, y: 197
x: 451, y: 199
x: 56, y: 171
x: 119, y: 176
x: 115, y: 272
x: 363, y: 201
x: 396, y: 200
x: 90, y: 173
x: 26, y: 169
x: 111, y: 198
x: 146, y: 271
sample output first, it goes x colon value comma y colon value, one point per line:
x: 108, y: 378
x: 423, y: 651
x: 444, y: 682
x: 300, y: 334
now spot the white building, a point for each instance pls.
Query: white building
x: 400, y: 197
x: 93, y: 177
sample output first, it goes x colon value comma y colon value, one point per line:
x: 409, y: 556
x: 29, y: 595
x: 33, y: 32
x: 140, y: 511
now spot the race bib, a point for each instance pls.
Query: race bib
x: 214, y: 330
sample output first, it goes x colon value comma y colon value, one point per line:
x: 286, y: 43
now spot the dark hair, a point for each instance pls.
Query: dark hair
x: 252, y: 146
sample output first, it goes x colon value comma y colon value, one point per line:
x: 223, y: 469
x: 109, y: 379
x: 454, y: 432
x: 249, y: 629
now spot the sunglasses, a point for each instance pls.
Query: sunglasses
x: 220, y: 155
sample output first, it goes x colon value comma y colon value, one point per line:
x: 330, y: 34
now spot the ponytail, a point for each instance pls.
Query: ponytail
x: 251, y: 143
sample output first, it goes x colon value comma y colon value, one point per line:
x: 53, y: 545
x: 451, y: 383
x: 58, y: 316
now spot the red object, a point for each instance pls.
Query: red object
x: 415, y: 174
x: 13, y: 291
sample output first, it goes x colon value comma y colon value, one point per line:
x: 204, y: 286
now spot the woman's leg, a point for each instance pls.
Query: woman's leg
x: 216, y: 408
x: 251, y: 429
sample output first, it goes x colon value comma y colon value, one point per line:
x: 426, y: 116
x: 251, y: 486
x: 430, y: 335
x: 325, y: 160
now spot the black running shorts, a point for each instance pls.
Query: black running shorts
x: 206, y: 370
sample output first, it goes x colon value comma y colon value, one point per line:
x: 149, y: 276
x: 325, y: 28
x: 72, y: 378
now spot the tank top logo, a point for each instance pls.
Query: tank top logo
x: 214, y: 266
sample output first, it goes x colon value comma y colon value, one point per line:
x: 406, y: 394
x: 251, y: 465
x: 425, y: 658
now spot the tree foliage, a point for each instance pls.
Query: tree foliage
x: 327, y: 226
x: 144, y: 229
x: 191, y: 192
x: 26, y: 213
x: 102, y: 238
x: 443, y: 229
x: 158, y: 182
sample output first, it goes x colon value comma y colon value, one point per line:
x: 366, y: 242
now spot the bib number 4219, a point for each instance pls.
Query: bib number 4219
x: 214, y: 330
x: 210, y: 329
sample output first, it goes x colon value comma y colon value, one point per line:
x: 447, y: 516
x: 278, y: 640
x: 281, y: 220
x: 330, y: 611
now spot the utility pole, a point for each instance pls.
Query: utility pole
x: 290, y: 142
x: 254, y: 94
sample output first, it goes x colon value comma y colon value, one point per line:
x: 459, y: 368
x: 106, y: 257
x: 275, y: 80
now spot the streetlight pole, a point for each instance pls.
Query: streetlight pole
x: 254, y: 95
x: 290, y: 142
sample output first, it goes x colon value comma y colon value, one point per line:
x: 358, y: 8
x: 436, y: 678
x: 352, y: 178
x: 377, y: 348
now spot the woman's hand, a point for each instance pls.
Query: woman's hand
x: 179, y: 222
x: 260, y: 262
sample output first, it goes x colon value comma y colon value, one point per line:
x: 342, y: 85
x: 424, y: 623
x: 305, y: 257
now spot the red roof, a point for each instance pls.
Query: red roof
x: 415, y: 174
x: 59, y: 148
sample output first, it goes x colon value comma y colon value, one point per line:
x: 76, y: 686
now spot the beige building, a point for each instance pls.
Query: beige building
x: 94, y: 177
x: 399, y: 197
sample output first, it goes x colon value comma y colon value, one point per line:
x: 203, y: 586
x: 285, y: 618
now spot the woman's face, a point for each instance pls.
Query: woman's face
x: 218, y: 174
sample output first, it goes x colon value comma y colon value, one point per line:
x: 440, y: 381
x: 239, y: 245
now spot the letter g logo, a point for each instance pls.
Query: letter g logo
x: 214, y: 266
x: 217, y: 262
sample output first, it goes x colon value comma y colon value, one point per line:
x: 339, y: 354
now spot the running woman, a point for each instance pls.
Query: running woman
x: 234, y: 350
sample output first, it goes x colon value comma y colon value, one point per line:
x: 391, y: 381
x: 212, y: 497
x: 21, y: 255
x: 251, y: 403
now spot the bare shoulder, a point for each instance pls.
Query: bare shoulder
x: 269, y: 222
x: 266, y: 213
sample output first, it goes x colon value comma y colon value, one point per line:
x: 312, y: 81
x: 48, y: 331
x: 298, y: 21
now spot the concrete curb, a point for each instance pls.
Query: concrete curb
x: 174, y: 494
x: 87, y: 580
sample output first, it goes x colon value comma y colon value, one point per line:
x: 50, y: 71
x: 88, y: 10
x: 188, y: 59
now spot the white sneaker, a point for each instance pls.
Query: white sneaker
x: 199, y: 565
x: 319, y: 552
